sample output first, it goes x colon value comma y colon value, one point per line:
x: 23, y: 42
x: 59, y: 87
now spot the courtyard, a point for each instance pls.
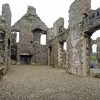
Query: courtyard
x: 30, y: 82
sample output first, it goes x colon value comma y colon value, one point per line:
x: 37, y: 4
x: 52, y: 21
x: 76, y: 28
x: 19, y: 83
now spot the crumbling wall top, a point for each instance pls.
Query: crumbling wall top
x: 78, y: 9
x: 29, y: 21
x: 50, y: 34
x: 6, y: 12
x: 5, y: 18
x: 31, y: 10
x: 58, y: 26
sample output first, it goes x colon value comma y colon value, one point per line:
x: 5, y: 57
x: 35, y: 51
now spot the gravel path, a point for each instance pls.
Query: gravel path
x: 45, y: 83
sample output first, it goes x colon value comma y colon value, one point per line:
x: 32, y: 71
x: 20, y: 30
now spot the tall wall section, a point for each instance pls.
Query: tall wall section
x: 5, y: 30
x: 56, y: 37
x: 78, y: 11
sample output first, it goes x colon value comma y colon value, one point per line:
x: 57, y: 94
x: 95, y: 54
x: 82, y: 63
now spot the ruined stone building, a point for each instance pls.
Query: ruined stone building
x: 83, y: 22
x: 56, y: 37
x: 29, y: 49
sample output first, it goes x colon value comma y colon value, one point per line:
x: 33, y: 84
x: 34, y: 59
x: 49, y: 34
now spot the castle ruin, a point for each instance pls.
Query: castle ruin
x: 83, y: 22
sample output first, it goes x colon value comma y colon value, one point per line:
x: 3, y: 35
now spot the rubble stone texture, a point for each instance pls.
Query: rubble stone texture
x: 28, y: 82
x: 5, y: 30
x: 56, y: 37
x: 83, y: 22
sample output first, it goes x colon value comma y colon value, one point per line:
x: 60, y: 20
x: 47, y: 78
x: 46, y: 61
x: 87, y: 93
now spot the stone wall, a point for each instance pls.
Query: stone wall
x: 77, y: 37
x: 58, y: 27
x: 78, y: 10
x: 56, y: 36
x: 5, y: 30
x: 30, y: 28
x: 41, y: 54
x: 82, y: 23
x: 74, y: 42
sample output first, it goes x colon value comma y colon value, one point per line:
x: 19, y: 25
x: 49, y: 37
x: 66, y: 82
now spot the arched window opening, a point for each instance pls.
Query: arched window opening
x: 94, y: 52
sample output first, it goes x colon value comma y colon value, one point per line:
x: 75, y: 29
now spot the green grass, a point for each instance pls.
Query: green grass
x: 92, y: 58
x: 97, y: 75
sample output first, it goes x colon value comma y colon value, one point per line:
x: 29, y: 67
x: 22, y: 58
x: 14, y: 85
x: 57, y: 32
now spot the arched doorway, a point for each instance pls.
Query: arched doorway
x: 91, y: 63
x: 94, y: 58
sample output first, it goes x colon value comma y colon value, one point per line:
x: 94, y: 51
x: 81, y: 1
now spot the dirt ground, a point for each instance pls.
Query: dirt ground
x: 28, y: 82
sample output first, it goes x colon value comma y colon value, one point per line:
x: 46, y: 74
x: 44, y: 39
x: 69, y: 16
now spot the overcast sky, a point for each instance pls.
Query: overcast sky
x: 48, y: 10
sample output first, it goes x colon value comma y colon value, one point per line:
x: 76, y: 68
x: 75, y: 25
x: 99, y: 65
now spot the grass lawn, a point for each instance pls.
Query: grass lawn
x: 93, y: 58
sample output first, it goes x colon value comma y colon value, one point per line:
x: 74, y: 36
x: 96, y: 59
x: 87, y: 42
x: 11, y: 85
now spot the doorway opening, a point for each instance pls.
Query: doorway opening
x: 50, y: 56
x: 94, y: 52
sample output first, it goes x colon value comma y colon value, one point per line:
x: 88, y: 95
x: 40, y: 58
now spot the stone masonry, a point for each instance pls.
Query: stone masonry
x: 5, y: 30
x: 83, y: 22
x: 56, y: 37
x: 30, y: 28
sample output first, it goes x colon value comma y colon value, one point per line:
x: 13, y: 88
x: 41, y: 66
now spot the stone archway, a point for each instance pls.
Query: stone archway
x: 89, y: 43
x: 88, y: 30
